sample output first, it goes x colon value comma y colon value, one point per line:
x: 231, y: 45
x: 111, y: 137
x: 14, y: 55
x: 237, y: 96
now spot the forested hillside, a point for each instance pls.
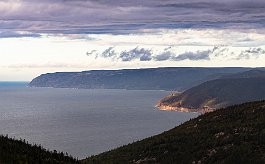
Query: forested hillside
x: 235, y: 134
x: 20, y: 152
x: 228, y: 90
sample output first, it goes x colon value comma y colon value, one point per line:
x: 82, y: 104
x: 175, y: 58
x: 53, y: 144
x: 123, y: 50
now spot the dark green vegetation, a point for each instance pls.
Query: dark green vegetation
x: 18, y: 151
x: 235, y: 134
x: 142, y: 79
x: 228, y: 90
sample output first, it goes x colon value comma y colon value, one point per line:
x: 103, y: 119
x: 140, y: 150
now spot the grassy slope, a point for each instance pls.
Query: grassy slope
x: 235, y: 134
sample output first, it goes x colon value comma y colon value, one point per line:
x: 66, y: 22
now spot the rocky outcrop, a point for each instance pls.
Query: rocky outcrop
x: 205, y: 109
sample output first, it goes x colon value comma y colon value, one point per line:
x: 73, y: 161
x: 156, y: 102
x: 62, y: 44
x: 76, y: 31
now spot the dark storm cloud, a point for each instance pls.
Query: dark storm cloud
x: 126, y: 16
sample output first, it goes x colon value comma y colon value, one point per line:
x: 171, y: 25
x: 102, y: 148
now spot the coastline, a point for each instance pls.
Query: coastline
x: 183, y: 109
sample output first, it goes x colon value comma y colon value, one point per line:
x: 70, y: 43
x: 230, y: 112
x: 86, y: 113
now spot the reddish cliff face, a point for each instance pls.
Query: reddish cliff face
x: 173, y: 103
x: 171, y: 108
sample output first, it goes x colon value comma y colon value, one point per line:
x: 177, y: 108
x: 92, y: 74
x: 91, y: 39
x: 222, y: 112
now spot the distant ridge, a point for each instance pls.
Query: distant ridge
x: 230, y: 89
x: 172, y: 78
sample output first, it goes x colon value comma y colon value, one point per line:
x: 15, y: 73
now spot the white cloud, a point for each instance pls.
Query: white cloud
x: 52, y: 53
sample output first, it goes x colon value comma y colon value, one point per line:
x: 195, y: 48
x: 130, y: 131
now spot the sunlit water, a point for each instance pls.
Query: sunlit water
x: 83, y: 122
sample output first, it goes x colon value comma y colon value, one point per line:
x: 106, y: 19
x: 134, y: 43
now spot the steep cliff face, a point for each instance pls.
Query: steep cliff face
x: 143, y: 79
x: 243, y: 87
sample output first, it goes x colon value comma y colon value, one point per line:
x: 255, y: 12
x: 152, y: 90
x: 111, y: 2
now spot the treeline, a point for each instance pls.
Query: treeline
x: 14, y: 151
x: 235, y: 134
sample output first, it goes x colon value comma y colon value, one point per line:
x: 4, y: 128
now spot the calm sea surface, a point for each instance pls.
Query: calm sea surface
x: 83, y: 122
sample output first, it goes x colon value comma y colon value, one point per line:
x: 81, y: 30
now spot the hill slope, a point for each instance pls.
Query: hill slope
x: 235, y: 134
x: 239, y: 88
x: 145, y: 79
x: 18, y: 151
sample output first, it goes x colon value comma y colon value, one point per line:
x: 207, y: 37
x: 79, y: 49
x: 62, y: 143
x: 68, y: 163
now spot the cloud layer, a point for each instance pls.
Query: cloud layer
x: 11, y: 34
x: 171, y: 54
x: 126, y: 16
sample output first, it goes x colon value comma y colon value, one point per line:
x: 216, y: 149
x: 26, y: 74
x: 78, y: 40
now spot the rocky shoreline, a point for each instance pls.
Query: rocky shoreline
x: 183, y: 109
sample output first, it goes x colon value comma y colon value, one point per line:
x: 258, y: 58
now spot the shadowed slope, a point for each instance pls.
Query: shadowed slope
x: 229, y: 90
x: 235, y: 134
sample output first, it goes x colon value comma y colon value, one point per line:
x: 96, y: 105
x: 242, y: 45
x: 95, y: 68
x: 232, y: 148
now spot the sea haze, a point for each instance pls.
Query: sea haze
x: 83, y: 122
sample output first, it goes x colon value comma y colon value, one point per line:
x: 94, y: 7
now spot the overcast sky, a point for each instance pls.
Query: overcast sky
x: 40, y: 36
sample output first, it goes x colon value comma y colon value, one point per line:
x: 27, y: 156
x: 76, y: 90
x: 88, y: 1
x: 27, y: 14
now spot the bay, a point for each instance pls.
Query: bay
x: 83, y: 122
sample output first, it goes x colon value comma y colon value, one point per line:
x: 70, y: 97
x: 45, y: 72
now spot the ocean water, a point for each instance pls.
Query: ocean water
x: 83, y: 122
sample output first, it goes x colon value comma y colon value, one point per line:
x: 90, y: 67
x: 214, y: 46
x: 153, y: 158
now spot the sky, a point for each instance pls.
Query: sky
x: 41, y: 36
